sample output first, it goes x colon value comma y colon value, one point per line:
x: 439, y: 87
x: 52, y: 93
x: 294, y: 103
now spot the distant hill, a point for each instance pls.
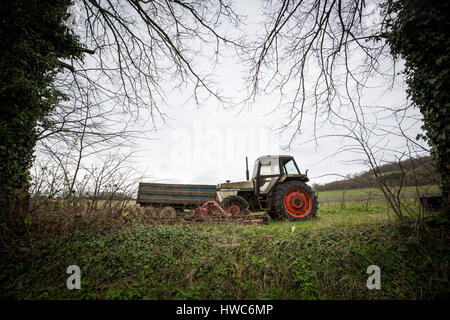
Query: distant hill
x: 415, y: 171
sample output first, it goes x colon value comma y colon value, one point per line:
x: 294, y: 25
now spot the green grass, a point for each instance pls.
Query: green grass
x: 364, y: 192
x: 324, y: 258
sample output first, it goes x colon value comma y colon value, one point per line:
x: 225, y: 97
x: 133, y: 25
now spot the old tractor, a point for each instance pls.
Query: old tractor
x: 276, y: 187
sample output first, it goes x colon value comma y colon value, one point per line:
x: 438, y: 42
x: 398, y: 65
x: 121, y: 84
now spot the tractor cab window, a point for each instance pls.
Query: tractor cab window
x: 290, y: 167
x: 269, y: 173
x: 269, y: 167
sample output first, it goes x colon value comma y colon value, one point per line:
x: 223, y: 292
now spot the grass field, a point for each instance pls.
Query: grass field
x: 364, y: 193
x: 324, y: 258
x: 358, y: 194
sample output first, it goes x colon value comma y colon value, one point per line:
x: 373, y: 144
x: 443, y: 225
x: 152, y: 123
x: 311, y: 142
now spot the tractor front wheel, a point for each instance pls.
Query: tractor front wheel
x: 295, y: 200
x: 235, y: 205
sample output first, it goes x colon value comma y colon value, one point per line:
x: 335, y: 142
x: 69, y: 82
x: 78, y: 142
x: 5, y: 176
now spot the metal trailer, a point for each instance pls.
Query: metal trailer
x: 168, y: 201
x: 178, y: 196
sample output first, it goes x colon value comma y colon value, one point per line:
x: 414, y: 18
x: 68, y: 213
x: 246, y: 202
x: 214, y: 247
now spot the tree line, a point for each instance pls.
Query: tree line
x: 411, y: 172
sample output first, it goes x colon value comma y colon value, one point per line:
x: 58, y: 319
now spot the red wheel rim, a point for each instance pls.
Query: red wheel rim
x: 297, y: 202
x: 234, y: 210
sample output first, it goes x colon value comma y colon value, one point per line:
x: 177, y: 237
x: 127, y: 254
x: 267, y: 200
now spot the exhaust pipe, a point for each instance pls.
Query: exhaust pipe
x: 246, y: 171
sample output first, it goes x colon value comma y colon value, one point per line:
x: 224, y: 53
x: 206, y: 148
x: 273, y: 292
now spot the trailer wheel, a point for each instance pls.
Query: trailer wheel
x: 168, y: 212
x: 235, y: 205
x: 295, y: 200
x: 150, y: 212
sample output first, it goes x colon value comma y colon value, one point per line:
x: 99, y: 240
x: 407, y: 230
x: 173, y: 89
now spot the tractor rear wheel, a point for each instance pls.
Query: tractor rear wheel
x: 295, y: 200
x: 235, y: 205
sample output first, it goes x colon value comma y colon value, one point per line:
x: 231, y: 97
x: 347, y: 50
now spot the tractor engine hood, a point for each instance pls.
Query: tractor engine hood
x: 241, y: 185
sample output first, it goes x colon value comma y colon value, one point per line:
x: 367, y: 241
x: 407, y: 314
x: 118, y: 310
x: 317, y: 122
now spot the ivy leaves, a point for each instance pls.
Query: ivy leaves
x: 418, y: 31
x: 33, y: 39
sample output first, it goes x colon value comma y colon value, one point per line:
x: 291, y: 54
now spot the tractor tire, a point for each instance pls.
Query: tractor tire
x: 295, y: 200
x: 235, y: 205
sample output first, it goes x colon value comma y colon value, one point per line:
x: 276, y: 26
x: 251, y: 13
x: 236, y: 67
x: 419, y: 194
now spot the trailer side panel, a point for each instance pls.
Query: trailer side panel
x: 175, y: 195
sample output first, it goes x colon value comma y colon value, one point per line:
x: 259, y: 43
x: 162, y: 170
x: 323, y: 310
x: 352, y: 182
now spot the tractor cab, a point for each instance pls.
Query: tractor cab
x: 277, y: 186
x: 270, y: 170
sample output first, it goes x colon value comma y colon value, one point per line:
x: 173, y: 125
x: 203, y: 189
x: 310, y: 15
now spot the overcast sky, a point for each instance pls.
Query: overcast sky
x: 208, y: 143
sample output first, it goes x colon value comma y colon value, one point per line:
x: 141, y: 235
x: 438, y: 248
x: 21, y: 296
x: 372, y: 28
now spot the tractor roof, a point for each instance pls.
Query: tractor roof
x: 275, y: 156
